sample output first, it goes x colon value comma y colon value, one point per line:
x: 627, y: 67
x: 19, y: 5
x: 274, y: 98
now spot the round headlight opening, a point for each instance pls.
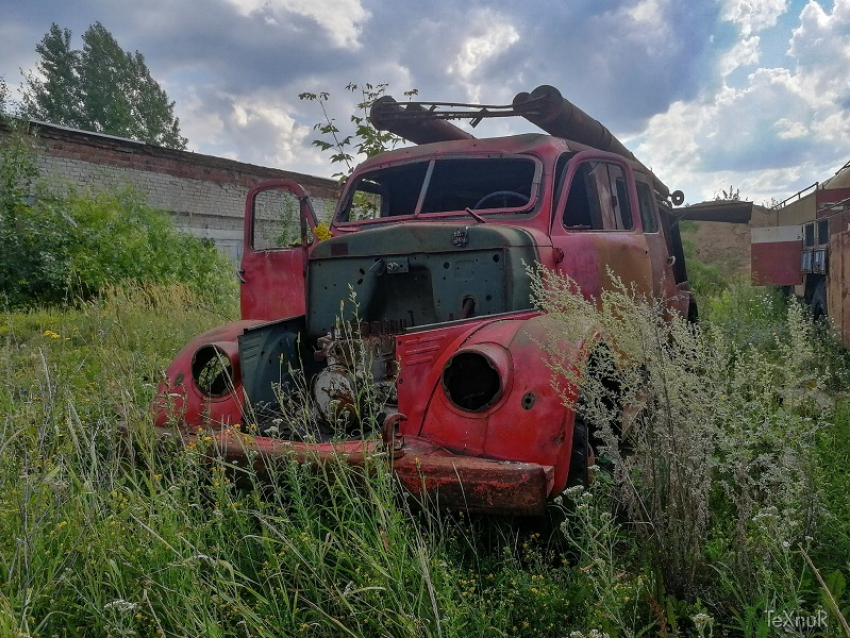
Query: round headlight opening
x: 472, y: 382
x: 212, y: 371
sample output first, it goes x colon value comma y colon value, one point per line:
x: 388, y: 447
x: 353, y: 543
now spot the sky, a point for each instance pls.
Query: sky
x: 752, y: 94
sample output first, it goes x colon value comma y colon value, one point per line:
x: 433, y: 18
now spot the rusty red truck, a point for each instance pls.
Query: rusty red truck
x: 801, y: 246
x: 419, y: 291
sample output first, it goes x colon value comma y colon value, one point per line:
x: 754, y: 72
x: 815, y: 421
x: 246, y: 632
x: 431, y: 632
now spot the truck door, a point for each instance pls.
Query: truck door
x: 279, y: 224
x: 663, y: 261
x: 594, y: 225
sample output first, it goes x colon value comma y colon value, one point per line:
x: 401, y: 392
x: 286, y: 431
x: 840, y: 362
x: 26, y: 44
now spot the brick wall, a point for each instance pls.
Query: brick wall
x: 204, y: 194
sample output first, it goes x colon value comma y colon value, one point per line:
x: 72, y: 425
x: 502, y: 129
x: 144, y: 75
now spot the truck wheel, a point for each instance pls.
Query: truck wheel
x: 819, y: 301
x: 581, y: 454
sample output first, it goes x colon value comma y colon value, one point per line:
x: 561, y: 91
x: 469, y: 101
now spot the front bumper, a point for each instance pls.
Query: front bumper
x: 432, y: 474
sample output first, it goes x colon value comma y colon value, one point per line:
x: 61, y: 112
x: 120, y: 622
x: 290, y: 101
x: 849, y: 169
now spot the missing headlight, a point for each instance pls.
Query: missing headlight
x: 212, y: 371
x: 472, y: 382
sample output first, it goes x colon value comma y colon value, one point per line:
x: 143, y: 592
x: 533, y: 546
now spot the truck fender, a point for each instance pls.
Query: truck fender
x: 498, y: 393
x: 203, y: 385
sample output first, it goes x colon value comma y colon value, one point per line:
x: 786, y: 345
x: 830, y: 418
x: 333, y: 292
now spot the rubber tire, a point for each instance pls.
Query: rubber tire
x: 579, y: 455
x: 818, y: 305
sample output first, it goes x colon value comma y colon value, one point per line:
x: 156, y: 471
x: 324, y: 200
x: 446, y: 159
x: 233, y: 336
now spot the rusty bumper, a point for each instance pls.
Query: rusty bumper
x: 432, y: 474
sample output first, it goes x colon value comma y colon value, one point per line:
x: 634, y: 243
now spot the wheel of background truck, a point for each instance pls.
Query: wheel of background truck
x: 819, y: 301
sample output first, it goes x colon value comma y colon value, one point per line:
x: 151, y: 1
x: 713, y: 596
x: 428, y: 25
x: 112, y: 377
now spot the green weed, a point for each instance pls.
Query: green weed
x: 738, y: 455
x: 712, y: 444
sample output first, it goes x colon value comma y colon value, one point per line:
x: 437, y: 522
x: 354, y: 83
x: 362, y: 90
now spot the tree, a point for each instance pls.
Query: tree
x: 365, y: 139
x: 100, y: 88
x: 55, y: 98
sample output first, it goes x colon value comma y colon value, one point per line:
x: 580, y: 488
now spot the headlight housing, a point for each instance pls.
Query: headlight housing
x: 213, y: 370
x: 475, y: 378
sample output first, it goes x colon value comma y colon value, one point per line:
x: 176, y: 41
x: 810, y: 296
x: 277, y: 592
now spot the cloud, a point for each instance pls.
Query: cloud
x: 780, y: 128
x: 789, y: 129
x: 341, y: 19
x: 760, y: 128
x: 663, y: 75
x: 820, y: 47
x: 495, y: 37
x: 745, y: 52
x: 256, y: 128
x: 753, y: 15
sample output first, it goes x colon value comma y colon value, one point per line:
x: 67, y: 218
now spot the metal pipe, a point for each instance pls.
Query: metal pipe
x: 387, y: 115
x: 561, y: 118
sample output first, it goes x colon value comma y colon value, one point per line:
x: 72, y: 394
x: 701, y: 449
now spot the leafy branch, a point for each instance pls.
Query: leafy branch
x: 365, y: 138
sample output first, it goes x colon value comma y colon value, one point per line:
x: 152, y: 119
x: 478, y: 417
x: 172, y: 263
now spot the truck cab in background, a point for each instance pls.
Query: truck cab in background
x: 804, y: 247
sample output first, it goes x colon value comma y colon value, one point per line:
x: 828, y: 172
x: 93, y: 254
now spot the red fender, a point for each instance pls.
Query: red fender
x: 181, y: 401
x: 525, y: 421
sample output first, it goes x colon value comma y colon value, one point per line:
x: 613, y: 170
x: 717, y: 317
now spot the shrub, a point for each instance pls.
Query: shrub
x: 55, y: 249
x: 706, y: 278
x: 711, y: 444
x: 58, y: 249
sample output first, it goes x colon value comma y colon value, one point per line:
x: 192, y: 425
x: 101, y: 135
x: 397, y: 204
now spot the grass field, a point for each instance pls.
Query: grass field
x: 94, y: 545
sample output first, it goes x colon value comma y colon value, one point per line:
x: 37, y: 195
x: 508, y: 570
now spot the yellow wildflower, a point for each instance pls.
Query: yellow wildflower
x: 322, y: 232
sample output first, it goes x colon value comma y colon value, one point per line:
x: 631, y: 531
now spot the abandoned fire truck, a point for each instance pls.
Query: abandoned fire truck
x: 805, y: 246
x: 433, y: 241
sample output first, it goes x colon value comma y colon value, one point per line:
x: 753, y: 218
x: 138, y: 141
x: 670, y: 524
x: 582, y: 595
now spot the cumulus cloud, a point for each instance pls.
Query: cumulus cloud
x: 753, y: 15
x: 821, y: 48
x: 494, y: 36
x: 341, y: 19
x: 478, y: 49
x: 744, y: 53
x: 650, y: 70
x: 256, y: 128
x: 783, y: 128
x: 752, y: 132
x: 650, y: 24
x: 789, y: 129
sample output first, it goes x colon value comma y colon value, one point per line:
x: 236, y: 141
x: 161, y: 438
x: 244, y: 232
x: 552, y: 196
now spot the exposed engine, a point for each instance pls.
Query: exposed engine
x: 359, y: 374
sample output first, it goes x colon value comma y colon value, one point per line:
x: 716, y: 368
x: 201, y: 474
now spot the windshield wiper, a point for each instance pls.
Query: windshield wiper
x: 475, y: 215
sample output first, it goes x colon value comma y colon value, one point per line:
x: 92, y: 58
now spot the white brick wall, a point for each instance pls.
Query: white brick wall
x: 204, y: 208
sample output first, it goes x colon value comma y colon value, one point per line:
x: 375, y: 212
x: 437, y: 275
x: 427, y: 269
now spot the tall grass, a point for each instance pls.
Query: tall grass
x: 179, y: 543
x: 713, y: 439
x: 174, y: 544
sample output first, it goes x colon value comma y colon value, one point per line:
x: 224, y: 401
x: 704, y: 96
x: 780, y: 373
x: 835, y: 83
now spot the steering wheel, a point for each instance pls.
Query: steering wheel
x: 505, y: 195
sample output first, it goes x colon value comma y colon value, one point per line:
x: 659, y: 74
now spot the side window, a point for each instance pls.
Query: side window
x: 598, y: 198
x: 277, y: 221
x: 620, y: 198
x: 646, y: 203
x: 582, y: 208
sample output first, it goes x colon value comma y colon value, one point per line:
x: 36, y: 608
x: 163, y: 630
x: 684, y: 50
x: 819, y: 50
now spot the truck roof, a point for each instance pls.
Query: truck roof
x: 541, y: 144
x: 538, y: 143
